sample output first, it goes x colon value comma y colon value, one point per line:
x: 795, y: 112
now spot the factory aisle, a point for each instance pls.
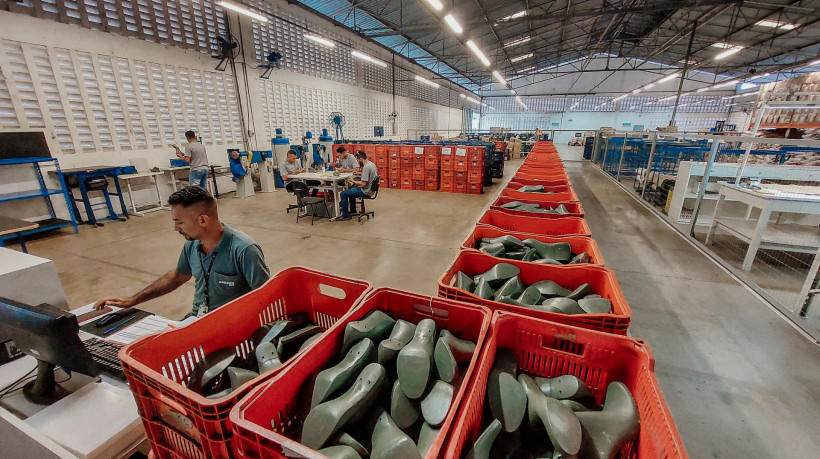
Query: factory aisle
x: 729, y: 368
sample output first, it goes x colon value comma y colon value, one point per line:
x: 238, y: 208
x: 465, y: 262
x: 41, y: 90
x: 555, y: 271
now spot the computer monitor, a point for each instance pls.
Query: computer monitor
x: 48, y: 334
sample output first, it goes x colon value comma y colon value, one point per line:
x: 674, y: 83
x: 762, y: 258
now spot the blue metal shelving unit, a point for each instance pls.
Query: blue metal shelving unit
x: 42, y: 192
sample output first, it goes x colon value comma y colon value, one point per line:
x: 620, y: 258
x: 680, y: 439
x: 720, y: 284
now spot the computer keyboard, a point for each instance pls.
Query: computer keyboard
x: 105, y: 354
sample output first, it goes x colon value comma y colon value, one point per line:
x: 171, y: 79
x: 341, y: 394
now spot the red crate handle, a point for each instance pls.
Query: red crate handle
x: 169, y: 401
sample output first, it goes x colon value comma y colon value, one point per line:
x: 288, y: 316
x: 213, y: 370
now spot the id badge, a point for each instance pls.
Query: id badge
x: 202, y: 310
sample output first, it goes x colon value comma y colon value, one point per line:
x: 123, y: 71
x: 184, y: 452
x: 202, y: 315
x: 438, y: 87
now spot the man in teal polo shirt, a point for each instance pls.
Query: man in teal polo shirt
x: 225, y: 263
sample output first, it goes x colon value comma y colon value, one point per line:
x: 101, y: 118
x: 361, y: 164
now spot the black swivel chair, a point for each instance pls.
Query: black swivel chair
x: 289, y: 189
x: 303, y: 200
x: 374, y: 187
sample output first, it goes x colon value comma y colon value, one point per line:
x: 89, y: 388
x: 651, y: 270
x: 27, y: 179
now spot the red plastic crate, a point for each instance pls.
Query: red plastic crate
x: 447, y: 163
x: 546, y: 183
x: 407, y: 162
x: 602, y: 281
x: 370, y: 150
x: 418, y: 157
x: 448, y: 174
x: 395, y: 183
x: 419, y: 184
x: 460, y: 164
x: 434, y: 150
x: 406, y: 151
x: 500, y: 146
x: 562, y: 226
x: 578, y: 243
x: 460, y: 186
x: 395, y: 173
x: 475, y: 164
x: 476, y: 154
x: 431, y: 175
x: 406, y: 183
x: 383, y: 182
x: 432, y: 162
x: 548, y: 349
x: 279, y: 401
x: 474, y: 188
x: 574, y: 207
x: 514, y: 185
x: 418, y: 173
x: 431, y: 185
x: 475, y: 176
x: 158, y: 366
x: 460, y: 176
x: 545, y: 177
x: 540, y: 197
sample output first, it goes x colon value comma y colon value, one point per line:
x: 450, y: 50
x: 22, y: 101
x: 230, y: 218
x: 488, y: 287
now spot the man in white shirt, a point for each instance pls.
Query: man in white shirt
x: 364, y: 187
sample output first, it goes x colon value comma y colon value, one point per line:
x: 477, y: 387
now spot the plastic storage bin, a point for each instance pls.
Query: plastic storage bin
x: 561, y: 226
x: 286, y: 399
x: 548, y: 349
x: 602, y: 281
x: 182, y: 423
x: 546, y: 183
x: 559, y: 196
x: 578, y: 243
x: 574, y: 207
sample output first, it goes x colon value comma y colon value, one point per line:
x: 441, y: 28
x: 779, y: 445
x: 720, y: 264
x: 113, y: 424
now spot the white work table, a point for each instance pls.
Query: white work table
x: 327, y: 177
x: 760, y: 234
x: 98, y: 419
x: 149, y: 206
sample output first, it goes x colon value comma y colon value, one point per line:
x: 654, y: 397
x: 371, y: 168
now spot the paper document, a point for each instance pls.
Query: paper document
x: 145, y: 327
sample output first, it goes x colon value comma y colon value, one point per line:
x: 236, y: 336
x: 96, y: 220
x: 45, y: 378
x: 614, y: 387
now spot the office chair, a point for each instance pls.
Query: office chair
x: 289, y: 189
x: 374, y: 186
x: 303, y: 200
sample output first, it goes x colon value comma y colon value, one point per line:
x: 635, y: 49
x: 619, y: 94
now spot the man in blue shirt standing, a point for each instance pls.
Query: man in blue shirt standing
x: 225, y: 263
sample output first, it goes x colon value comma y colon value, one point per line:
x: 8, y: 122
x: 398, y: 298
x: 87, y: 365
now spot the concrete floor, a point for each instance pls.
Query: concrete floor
x: 739, y: 381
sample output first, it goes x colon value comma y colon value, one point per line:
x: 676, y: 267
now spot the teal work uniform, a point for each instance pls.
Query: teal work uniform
x: 235, y: 267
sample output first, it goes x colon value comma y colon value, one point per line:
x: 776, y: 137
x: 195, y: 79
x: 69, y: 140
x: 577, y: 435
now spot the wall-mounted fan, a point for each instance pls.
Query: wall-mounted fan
x: 227, y: 48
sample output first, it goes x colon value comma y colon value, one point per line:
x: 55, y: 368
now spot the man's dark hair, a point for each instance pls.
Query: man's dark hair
x: 190, y: 135
x: 341, y: 149
x: 293, y: 152
x: 361, y: 154
x: 192, y: 196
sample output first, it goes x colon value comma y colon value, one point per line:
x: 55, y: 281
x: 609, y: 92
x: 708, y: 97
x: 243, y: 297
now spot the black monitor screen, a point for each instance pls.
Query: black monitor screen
x: 23, y: 145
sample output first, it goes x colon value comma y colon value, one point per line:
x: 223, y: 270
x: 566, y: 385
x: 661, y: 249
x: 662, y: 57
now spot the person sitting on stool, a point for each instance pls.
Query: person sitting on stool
x: 346, y: 162
x: 290, y: 166
x: 362, y: 188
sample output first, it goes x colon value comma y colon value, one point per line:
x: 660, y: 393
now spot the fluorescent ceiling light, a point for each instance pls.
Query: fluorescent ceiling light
x: 367, y: 58
x: 474, y: 48
x: 764, y: 75
x: 521, y: 57
x: 817, y: 62
x: 451, y: 21
x: 776, y: 24
x: 623, y: 96
x: 512, y: 91
x: 320, y: 40
x: 473, y: 100
x: 723, y: 45
x: 636, y: 91
x: 669, y: 78
x: 525, y: 70
x: 667, y: 98
x: 436, y: 4
x: 728, y: 53
x: 745, y: 86
x: 740, y: 95
x: 421, y: 79
x: 705, y: 88
x: 518, y: 41
x: 521, y: 102
x: 649, y: 86
x: 243, y: 10
x: 499, y: 77
x: 462, y: 96
x: 688, y: 61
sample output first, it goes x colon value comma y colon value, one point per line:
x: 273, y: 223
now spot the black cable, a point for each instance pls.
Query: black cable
x: 12, y: 387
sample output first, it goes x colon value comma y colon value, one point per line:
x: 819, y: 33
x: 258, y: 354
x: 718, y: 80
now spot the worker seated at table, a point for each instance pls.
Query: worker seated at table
x: 345, y: 162
x: 290, y: 166
x: 361, y: 189
x: 224, y: 262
